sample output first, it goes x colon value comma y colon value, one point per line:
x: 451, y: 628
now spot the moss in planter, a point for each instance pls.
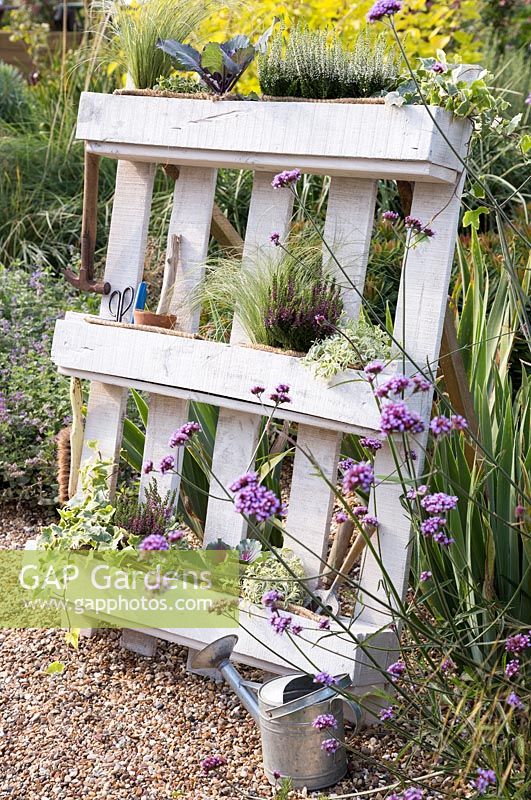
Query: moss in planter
x: 317, y: 65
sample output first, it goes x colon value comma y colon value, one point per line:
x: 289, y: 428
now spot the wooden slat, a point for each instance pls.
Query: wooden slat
x: 347, y: 233
x: 426, y: 276
x: 324, y: 130
x: 124, y: 267
x: 190, y: 221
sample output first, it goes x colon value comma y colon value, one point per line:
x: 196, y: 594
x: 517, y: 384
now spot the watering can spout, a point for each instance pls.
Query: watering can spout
x: 217, y: 656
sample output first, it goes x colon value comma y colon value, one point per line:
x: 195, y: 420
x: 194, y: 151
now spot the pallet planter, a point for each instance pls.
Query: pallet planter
x: 356, y: 145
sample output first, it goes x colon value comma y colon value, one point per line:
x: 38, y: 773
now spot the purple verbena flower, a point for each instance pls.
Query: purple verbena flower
x: 257, y: 501
x: 341, y: 516
x: 247, y: 479
x: 370, y: 443
x: 512, y: 668
x: 212, y: 762
x: 412, y: 494
x: 447, y: 665
x: 440, y: 426
x: 360, y: 511
x: 420, y: 384
x: 397, y: 418
x: 374, y: 368
x: 275, y: 238
x: 324, y: 624
x: 323, y: 721
x: 386, y: 714
x: 514, y: 701
x: 330, y: 746
x: 280, y: 395
x: 518, y: 643
x: 167, y: 464
x: 383, y: 8
x: 295, y: 628
x: 395, y: 385
x: 279, y: 622
x: 519, y: 512
x: 148, y: 467
x: 155, y: 541
x: 438, y: 67
x: 397, y: 669
x: 413, y: 793
x: 413, y: 223
x: 183, y: 434
x: 276, y: 774
x: 438, y: 503
x: 286, y: 178
x: 443, y: 539
x: 459, y: 423
x: 484, y: 779
x: 346, y: 464
x: 175, y: 536
x: 368, y: 519
x: 390, y: 216
x: 271, y: 598
x: 425, y: 575
x: 359, y: 476
x: 325, y: 678
x: 432, y: 525
x: 258, y: 390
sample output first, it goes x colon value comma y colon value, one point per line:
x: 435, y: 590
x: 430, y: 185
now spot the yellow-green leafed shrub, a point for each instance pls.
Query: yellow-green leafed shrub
x: 424, y: 26
x: 268, y: 573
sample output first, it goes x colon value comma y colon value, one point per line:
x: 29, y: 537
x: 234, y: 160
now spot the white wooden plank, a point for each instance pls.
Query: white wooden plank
x: 426, y: 276
x: 265, y: 162
x: 124, y: 267
x: 214, y: 369
x: 237, y: 434
x: 190, y: 221
x: 325, y: 129
x: 236, y: 439
x: 347, y: 232
x: 104, y: 425
x: 311, y: 500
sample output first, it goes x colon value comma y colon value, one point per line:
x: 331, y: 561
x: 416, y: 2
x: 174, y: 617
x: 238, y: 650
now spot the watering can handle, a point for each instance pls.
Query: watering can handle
x: 326, y: 693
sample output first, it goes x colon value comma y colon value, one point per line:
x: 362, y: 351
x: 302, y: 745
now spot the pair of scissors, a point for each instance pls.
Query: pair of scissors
x: 121, y: 302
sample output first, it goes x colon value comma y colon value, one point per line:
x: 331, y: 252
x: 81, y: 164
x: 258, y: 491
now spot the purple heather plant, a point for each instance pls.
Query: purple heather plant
x: 324, y: 721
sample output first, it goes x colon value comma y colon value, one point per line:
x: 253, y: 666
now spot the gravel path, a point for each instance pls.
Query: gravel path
x: 117, y: 726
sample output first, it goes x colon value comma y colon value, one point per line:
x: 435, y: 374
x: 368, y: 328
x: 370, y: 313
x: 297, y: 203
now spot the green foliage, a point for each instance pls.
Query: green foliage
x: 317, y: 64
x: 34, y: 399
x: 268, y: 573
x: 87, y: 522
x: 15, y: 106
x: 450, y: 90
x: 355, y: 345
x: 137, y: 28
x: 181, y: 84
x: 490, y: 567
x: 277, y: 299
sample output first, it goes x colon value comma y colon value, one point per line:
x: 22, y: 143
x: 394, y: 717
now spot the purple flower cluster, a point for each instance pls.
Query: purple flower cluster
x: 368, y: 519
x: 271, y: 598
x: 383, y: 8
x: 341, y: 516
x: 390, y: 216
x: 359, y: 476
x: 447, y: 665
x: 395, y: 385
x: 275, y: 238
x: 280, y: 395
x: 254, y: 500
x: 346, y: 464
x: 397, y: 669
x: 183, y: 434
x: 484, y: 779
x: 286, y: 178
x: 167, y: 464
x: 417, y: 226
x: 323, y: 721
x: 373, y: 368
x: 258, y: 390
x: 325, y: 679
x: 387, y: 714
x: 439, y: 503
x: 432, y: 525
x: 436, y: 505
x: 518, y: 642
x: 360, y: 511
x: 154, y: 541
x: 247, y: 479
x: 175, y: 536
x: 438, y: 67
x: 425, y: 576
x: 412, y: 793
x: 512, y: 668
x: 370, y: 443
x: 212, y: 762
x: 420, y: 491
x: 514, y: 701
x: 324, y: 624
x: 280, y: 622
x: 330, y: 746
x: 148, y: 467
x: 442, y: 426
x: 397, y: 418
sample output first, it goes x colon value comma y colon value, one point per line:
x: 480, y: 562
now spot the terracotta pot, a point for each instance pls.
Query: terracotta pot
x: 156, y: 320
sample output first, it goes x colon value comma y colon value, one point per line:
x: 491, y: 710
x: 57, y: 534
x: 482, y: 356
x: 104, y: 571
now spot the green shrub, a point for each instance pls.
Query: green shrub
x: 316, y: 64
x: 34, y: 399
x: 15, y: 107
x: 355, y: 345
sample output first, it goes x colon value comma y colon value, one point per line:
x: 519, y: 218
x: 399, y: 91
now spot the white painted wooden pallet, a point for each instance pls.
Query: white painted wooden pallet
x: 356, y: 145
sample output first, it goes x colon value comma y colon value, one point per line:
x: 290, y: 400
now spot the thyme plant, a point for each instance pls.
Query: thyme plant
x: 316, y: 64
